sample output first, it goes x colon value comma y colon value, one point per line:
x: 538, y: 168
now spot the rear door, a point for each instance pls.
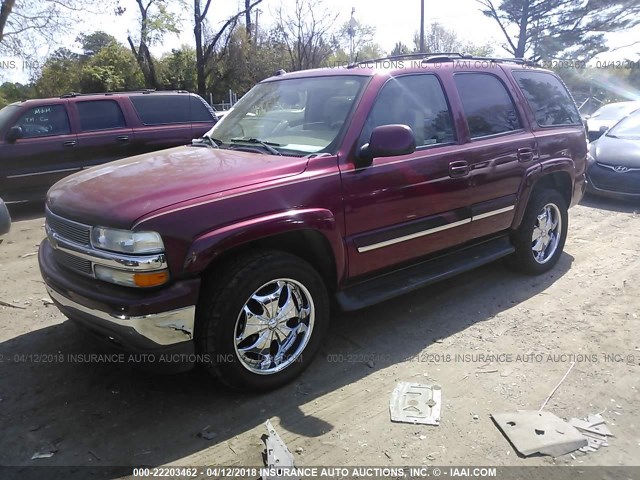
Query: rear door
x: 165, y: 121
x: 44, y: 154
x: 499, y: 149
x: 103, y: 135
x: 402, y: 208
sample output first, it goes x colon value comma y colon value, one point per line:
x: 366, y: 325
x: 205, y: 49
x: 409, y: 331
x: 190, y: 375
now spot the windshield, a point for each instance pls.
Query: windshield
x: 304, y: 115
x: 615, y: 111
x: 627, y: 128
x: 6, y: 113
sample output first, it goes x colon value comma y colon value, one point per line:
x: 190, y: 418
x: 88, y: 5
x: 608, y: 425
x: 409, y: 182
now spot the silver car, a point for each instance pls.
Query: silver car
x: 5, y: 218
x: 614, y: 163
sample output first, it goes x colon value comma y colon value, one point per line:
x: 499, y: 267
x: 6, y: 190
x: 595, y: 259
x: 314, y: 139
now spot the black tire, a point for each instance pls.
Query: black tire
x: 224, y: 295
x: 523, y: 259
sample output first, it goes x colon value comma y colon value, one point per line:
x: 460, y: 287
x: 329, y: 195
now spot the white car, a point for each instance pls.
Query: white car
x: 5, y: 218
x: 607, y: 116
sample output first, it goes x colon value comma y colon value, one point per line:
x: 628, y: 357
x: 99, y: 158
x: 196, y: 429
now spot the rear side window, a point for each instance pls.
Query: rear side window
x: 548, y: 98
x: 417, y: 101
x: 201, y: 111
x: 100, y: 115
x: 162, y: 109
x: 487, y: 104
x: 44, y: 121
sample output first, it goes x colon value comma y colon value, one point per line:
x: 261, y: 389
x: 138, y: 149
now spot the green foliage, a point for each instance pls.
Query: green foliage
x: 112, y: 68
x: 177, y: 70
x: 560, y: 28
x: 14, y: 92
x: 94, y: 42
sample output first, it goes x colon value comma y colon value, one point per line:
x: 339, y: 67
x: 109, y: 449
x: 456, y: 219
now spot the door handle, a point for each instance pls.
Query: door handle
x: 122, y: 138
x: 69, y: 143
x: 525, y: 154
x: 458, y: 169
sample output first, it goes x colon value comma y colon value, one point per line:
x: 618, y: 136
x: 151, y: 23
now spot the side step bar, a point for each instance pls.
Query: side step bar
x: 413, y: 277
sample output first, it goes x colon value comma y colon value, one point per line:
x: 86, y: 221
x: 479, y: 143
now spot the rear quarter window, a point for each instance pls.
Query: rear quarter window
x: 201, y: 111
x: 162, y: 109
x: 548, y: 98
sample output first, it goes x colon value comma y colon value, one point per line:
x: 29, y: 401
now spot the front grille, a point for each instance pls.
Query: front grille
x: 605, y: 178
x: 72, y: 262
x: 72, y: 231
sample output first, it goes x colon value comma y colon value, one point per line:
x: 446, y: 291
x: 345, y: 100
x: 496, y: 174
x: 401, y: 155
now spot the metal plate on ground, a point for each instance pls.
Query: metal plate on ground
x: 539, y: 432
x: 416, y: 403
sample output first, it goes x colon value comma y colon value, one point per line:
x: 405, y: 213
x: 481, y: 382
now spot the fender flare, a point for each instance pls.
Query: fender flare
x: 533, y: 178
x: 209, y: 246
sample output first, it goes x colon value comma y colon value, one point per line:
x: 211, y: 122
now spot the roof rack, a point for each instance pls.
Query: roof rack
x: 144, y: 91
x: 437, y: 57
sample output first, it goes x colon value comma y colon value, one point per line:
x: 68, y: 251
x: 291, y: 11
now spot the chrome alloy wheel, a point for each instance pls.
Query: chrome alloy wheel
x: 274, y: 326
x: 546, y: 233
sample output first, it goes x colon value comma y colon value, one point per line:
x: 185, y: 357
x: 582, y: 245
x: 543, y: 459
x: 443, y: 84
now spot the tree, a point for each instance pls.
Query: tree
x: 92, y: 43
x: 177, y: 70
x: 155, y: 21
x: 438, y: 38
x: 113, y: 68
x: 400, y: 49
x: 306, y: 33
x: 60, y: 74
x: 557, y: 28
x: 206, y: 48
x: 26, y: 25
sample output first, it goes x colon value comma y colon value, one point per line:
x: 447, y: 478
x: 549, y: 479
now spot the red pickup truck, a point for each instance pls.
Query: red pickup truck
x: 335, y: 186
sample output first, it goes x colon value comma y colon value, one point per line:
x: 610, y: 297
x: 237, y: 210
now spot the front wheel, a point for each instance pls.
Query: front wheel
x: 540, y: 239
x: 261, y: 320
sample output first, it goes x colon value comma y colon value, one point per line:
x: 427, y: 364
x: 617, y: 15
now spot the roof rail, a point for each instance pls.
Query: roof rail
x: 436, y: 57
x: 144, y: 90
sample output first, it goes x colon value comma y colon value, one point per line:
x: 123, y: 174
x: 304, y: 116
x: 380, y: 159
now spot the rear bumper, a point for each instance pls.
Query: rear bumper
x: 159, y: 322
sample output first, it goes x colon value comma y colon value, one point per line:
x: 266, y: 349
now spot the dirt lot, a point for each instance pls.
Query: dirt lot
x: 338, y: 413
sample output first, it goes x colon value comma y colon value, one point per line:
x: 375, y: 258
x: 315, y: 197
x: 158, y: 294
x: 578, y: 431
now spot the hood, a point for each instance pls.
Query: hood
x: 616, y: 151
x: 118, y: 193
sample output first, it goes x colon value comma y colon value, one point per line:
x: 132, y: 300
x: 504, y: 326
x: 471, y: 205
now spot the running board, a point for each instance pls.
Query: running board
x: 399, y: 282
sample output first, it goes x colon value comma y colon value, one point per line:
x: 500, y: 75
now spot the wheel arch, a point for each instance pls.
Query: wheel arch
x: 558, y: 179
x: 311, y: 235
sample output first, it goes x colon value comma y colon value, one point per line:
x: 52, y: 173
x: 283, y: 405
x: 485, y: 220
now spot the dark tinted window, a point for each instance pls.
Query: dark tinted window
x: 487, y: 104
x: 100, y: 115
x: 548, y: 98
x: 43, y: 121
x: 162, y: 109
x: 201, y: 111
x: 417, y: 101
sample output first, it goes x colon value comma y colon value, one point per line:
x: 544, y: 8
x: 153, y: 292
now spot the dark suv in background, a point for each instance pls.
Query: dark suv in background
x: 44, y: 140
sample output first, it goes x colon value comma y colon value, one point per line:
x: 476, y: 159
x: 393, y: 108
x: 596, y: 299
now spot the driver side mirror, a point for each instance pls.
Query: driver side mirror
x: 387, y: 141
x: 14, y: 133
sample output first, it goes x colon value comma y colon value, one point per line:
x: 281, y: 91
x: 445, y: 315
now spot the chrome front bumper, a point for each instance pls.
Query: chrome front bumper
x: 162, y: 329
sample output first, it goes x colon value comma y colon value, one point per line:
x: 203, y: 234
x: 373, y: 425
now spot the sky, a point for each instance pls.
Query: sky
x: 394, y: 21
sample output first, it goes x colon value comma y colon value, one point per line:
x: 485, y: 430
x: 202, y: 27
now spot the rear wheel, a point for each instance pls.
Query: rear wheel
x: 542, y: 234
x: 261, y: 319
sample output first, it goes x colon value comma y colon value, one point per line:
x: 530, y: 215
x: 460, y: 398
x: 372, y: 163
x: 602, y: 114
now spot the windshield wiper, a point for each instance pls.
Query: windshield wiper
x: 206, y: 141
x: 267, y: 145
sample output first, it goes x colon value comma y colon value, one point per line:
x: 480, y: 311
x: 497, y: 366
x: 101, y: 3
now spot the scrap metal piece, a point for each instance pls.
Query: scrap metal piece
x: 278, y: 455
x: 539, y: 432
x: 416, y: 403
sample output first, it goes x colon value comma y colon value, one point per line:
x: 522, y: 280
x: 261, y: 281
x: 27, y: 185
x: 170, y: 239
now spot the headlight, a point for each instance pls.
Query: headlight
x: 125, y: 241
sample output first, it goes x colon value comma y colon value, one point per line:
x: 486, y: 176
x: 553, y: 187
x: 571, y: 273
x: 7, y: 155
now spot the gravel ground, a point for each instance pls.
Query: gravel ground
x: 337, y: 413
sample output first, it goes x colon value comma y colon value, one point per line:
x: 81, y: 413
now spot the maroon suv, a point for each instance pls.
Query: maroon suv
x: 354, y: 184
x: 44, y: 140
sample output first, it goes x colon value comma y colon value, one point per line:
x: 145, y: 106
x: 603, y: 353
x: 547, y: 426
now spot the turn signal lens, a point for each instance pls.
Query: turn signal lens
x: 152, y: 279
